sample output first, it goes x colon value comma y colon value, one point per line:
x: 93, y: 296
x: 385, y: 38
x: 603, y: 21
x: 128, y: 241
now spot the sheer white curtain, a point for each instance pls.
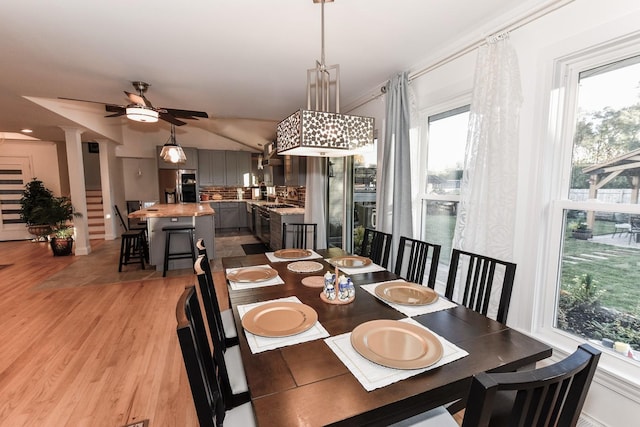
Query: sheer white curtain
x: 315, y: 199
x: 486, y: 214
x: 394, y: 204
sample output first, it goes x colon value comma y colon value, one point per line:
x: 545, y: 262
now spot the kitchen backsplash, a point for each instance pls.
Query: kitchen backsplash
x: 291, y: 195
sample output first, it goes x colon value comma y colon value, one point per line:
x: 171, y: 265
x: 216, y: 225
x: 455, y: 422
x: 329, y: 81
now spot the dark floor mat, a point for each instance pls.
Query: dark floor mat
x: 254, y: 248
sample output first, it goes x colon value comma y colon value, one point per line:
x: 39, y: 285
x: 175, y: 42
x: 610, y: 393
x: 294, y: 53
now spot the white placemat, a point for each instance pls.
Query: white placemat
x: 259, y: 344
x: 272, y: 258
x: 411, y: 310
x: 371, y: 268
x: 248, y: 285
x: 373, y: 376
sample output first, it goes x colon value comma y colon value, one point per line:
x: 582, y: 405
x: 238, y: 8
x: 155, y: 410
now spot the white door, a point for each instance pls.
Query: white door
x: 15, y: 172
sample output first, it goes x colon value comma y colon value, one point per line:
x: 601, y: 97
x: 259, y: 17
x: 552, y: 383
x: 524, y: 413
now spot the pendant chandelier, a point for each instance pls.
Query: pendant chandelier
x: 317, y: 131
x: 171, y: 151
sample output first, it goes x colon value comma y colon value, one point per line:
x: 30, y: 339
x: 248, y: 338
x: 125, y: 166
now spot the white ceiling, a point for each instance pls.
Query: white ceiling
x: 233, y: 59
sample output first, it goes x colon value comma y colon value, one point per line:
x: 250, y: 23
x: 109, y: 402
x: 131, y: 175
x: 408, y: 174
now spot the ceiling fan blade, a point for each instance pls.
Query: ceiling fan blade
x: 137, y: 99
x: 187, y: 114
x: 83, y: 100
x: 169, y: 118
x: 111, y: 108
x: 122, y: 113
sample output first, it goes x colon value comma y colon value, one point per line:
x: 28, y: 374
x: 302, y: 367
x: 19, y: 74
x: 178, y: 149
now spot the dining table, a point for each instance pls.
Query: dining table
x: 308, y: 384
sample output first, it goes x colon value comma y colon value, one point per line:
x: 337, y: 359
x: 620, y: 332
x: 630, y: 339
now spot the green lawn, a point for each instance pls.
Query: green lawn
x: 616, y: 269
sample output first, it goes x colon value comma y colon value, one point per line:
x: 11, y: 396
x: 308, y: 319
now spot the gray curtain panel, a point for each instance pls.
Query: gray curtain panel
x: 394, y: 213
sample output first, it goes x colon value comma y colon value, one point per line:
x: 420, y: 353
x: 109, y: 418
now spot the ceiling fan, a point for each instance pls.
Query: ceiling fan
x: 141, y: 109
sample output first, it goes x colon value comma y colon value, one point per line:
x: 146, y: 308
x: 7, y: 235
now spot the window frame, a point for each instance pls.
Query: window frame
x: 624, y: 373
x: 450, y: 104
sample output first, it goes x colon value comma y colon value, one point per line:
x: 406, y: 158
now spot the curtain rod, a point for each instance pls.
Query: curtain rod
x: 518, y: 23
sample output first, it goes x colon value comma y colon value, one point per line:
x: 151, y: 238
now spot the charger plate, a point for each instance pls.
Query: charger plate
x: 406, y: 293
x: 304, y: 266
x: 292, y: 253
x: 279, y: 319
x: 252, y: 274
x: 313, y: 281
x: 350, y: 261
x: 396, y: 344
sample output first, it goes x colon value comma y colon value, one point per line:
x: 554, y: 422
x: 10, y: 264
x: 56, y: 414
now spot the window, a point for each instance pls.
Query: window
x: 597, y: 292
x: 447, y: 138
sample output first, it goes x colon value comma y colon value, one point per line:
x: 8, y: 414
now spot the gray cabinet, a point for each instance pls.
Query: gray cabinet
x: 242, y: 215
x: 295, y: 171
x: 216, y: 208
x: 224, y: 168
x: 228, y: 215
x: 191, y: 163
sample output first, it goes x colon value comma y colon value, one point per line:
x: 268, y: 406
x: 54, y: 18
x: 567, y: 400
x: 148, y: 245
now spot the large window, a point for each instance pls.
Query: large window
x: 598, y: 281
x: 446, y: 141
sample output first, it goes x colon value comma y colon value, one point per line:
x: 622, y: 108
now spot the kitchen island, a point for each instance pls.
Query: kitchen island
x: 200, y: 215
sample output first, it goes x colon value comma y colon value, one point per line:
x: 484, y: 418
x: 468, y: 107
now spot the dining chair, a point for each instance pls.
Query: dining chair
x: 214, y: 315
x: 552, y: 395
x: 412, y: 258
x: 376, y: 246
x: 299, y: 235
x: 477, y: 281
x: 224, y: 317
x: 202, y: 371
x: 233, y: 381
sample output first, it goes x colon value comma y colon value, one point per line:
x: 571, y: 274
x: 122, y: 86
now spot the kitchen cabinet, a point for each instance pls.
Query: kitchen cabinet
x: 273, y: 175
x: 216, y: 208
x: 191, y: 163
x: 242, y: 215
x: 230, y: 214
x: 224, y: 168
x: 276, y: 221
x: 295, y: 171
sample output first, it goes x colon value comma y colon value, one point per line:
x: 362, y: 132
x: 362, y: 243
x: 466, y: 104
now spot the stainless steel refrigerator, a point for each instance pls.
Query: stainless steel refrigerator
x: 178, y: 185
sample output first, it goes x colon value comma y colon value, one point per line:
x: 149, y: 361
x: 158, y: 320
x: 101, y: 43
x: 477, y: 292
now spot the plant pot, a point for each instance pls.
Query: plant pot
x: 40, y: 231
x: 582, y: 234
x: 61, y: 246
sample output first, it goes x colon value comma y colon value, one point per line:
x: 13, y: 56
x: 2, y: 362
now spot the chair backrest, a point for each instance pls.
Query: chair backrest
x: 299, y: 235
x: 210, y: 300
x: 376, y: 246
x: 119, y: 215
x: 411, y: 260
x: 550, y: 396
x: 200, y: 366
x: 479, y: 279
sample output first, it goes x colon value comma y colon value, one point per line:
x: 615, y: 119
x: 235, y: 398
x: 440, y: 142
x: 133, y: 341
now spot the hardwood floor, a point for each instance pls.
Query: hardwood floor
x: 90, y: 355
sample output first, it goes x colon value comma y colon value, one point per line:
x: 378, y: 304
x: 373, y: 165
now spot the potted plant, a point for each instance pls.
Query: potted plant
x: 581, y: 231
x: 35, y: 198
x: 60, y: 212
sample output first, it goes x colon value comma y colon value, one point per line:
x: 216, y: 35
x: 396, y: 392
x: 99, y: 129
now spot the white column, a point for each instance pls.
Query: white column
x: 77, y: 186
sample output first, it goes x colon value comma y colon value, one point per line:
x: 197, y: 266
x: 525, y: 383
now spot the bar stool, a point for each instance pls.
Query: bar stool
x: 189, y: 230
x: 133, y: 247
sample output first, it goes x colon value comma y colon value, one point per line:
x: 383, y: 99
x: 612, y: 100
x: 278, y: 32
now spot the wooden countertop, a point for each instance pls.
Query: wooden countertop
x: 173, y: 210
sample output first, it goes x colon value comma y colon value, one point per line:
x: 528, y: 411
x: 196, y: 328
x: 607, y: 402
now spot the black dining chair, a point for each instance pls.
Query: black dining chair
x: 299, y: 236
x: 412, y: 259
x: 208, y: 290
x: 480, y: 282
x: 205, y: 376
x: 376, y: 246
x: 548, y: 396
x: 229, y: 361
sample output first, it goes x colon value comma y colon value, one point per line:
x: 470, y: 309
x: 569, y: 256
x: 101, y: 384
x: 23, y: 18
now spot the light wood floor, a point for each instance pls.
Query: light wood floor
x: 93, y: 355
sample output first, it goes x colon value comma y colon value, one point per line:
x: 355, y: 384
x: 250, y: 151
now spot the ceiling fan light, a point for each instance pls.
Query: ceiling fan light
x: 139, y: 113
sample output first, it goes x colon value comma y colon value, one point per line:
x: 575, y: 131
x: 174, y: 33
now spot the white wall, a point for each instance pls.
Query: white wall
x: 581, y: 24
x: 43, y: 157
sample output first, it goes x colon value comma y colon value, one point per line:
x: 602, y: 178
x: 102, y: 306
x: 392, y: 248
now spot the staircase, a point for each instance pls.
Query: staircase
x: 95, y: 214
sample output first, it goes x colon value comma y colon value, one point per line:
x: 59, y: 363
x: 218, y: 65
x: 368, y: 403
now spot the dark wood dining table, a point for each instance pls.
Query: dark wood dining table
x: 307, y: 385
